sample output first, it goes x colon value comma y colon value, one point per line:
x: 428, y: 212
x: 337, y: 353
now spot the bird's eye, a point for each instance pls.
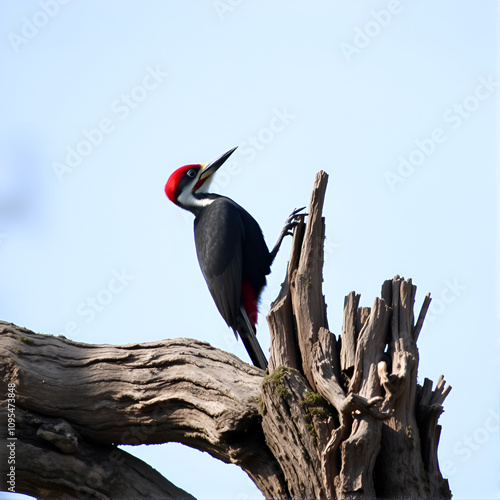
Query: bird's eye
x: 191, y: 173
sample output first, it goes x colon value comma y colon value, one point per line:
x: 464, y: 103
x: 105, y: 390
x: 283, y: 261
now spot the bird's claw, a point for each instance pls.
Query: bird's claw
x: 292, y: 221
x: 296, y: 213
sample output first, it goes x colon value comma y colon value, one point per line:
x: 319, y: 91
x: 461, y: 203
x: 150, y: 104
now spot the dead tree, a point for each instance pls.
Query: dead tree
x: 333, y: 418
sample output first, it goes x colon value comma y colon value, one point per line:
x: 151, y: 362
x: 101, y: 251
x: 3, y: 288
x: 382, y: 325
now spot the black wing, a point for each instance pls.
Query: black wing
x: 219, y: 233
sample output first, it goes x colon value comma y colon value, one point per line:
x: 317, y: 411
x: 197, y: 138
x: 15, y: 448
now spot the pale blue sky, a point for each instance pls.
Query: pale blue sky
x: 354, y: 88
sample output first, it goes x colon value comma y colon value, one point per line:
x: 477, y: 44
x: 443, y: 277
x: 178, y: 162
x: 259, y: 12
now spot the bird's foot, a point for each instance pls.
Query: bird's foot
x: 291, y: 222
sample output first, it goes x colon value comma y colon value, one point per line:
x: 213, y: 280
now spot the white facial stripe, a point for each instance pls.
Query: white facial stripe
x: 186, y: 198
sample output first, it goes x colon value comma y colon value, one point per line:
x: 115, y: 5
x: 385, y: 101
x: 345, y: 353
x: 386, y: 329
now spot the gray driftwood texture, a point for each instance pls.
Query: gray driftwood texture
x: 336, y: 417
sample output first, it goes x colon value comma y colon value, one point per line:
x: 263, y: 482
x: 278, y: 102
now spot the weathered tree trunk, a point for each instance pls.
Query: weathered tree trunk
x: 334, y: 417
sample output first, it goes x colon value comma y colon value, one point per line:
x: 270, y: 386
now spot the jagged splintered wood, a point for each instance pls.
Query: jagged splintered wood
x: 334, y: 417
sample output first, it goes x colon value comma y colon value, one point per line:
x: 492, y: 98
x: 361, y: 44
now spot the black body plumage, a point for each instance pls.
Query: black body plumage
x: 231, y: 249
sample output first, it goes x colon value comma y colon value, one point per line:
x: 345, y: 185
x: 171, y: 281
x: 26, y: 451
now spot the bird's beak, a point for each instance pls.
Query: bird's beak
x: 212, y: 167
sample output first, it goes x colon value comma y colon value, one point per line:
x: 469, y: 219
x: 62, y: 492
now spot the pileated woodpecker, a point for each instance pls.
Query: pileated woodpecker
x: 233, y: 255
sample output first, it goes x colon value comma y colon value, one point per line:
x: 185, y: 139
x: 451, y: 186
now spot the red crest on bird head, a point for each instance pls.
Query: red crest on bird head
x: 175, y: 179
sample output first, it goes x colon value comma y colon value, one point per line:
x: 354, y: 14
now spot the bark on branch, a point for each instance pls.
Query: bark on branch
x: 178, y: 390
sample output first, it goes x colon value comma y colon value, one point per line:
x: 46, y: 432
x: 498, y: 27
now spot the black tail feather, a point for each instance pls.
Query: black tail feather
x: 250, y: 341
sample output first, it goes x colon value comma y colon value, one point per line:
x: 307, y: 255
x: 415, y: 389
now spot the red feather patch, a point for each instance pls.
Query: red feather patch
x: 249, y: 302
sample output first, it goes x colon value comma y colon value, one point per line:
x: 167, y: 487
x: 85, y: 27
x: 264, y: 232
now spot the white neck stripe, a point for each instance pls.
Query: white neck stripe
x: 188, y: 200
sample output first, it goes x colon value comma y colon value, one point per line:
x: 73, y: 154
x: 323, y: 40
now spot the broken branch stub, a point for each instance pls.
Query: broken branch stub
x: 380, y: 421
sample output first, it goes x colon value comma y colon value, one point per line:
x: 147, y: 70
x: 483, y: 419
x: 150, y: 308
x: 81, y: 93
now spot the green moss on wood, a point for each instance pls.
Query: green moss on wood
x: 277, y: 378
x: 314, y: 406
x: 25, y: 340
